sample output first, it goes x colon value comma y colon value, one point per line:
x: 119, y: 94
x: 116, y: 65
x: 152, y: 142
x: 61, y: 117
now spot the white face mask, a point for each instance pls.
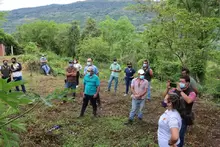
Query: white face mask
x: 74, y: 62
x: 89, y: 63
x: 115, y: 62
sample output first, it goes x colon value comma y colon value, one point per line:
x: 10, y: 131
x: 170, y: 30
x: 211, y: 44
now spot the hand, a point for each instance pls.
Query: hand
x: 83, y: 95
x: 95, y: 95
x: 114, y: 70
x: 178, y: 87
x: 168, y: 84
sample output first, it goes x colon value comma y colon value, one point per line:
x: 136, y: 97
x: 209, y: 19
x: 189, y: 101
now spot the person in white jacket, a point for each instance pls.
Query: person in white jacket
x: 77, y: 65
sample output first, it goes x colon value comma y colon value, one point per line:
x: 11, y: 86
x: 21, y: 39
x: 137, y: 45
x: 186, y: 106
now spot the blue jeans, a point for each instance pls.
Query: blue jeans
x: 128, y: 84
x: 110, y: 82
x: 22, y: 86
x: 182, y: 133
x: 71, y: 86
x: 149, y: 91
x: 137, y: 107
x: 46, y: 68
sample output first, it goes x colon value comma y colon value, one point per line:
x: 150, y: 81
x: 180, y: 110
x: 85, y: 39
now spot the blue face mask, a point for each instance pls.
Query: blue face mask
x: 144, y: 65
x: 182, y: 85
x: 141, y: 77
x: 70, y: 64
x: 163, y: 104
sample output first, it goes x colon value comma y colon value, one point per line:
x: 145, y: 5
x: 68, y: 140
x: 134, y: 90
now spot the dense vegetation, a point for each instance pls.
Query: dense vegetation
x: 79, y: 11
x: 183, y: 33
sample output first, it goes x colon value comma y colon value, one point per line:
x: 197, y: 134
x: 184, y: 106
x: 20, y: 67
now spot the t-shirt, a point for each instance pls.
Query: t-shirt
x: 95, y: 69
x: 77, y: 66
x: 16, y: 70
x: 169, y: 119
x: 90, y: 84
x: 115, y: 67
x: 139, y: 87
x: 129, y: 72
x: 71, y: 79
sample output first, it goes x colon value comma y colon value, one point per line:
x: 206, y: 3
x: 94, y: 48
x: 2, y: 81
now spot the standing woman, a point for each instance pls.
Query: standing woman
x: 129, y: 75
x: 78, y: 67
x: 170, y: 122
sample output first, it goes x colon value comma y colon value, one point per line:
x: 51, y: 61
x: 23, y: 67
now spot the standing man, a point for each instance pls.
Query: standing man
x: 71, y: 73
x: 16, y: 73
x: 44, y: 65
x: 78, y: 67
x: 139, y: 88
x: 148, y: 75
x: 91, y: 88
x: 96, y: 72
x: 129, y: 75
x: 90, y: 64
x: 193, y: 84
x: 115, y: 69
x: 6, y: 71
x: 188, y: 95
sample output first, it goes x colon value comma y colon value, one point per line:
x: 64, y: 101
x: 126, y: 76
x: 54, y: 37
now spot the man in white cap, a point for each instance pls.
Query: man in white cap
x: 139, y: 88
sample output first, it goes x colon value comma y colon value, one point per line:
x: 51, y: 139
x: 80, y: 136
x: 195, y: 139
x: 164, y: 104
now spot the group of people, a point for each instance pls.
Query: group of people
x: 12, y: 72
x: 178, y: 99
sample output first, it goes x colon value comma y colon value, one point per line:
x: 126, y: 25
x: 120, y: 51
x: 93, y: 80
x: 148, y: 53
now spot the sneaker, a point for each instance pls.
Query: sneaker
x: 140, y: 119
x: 129, y: 122
x: 107, y: 90
x: 125, y: 94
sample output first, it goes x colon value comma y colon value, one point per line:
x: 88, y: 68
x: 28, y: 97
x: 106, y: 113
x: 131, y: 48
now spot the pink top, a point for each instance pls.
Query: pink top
x: 139, y: 87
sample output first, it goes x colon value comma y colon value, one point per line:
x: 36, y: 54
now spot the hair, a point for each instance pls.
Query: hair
x: 146, y: 60
x: 13, y: 58
x: 129, y: 63
x: 186, y: 70
x: 90, y: 58
x: 187, y: 78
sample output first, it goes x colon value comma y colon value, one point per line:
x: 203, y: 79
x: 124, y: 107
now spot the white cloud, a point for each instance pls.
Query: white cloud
x: 15, y: 4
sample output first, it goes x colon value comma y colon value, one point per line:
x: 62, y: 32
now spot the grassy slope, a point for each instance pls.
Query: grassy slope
x: 108, y: 130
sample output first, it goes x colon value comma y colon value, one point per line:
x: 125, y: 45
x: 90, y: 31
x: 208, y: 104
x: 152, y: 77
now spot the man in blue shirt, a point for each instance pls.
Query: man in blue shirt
x: 44, y: 65
x: 91, y: 88
x: 129, y: 75
x: 90, y: 64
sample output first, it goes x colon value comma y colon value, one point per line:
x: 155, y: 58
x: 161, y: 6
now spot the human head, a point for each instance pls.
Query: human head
x: 13, y: 60
x: 172, y: 101
x: 115, y: 61
x: 184, y: 82
x: 141, y: 74
x: 145, y: 64
x: 70, y: 63
x: 90, y: 71
x: 89, y: 61
x: 43, y: 55
x: 185, y: 71
x: 5, y: 62
x: 75, y: 61
x: 129, y: 64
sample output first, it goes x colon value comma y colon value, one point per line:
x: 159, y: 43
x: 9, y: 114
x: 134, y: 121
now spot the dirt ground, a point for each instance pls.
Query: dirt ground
x: 204, y: 133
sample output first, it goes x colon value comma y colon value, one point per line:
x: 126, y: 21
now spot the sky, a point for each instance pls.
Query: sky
x: 15, y: 4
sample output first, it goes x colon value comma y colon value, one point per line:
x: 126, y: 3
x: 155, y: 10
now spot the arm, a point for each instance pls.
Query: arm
x: 189, y: 99
x: 119, y: 70
x: 151, y: 73
x: 174, y: 136
x: 19, y: 68
x: 133, y: 91
x: 144, y: 92
x: 167, y: 88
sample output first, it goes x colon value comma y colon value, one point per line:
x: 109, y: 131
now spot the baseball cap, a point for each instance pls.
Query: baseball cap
x: 141, y: 71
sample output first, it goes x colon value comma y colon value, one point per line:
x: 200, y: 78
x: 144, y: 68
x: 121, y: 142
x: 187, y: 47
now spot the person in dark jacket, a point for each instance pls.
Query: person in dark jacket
x: 6, y: 71
x: 148, y: 76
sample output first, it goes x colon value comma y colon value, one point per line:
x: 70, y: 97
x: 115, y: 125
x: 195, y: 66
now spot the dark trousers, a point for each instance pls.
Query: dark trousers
x: 8, y: 80
x: 182, y: 133
x: 128, y: 84
x: 22, y: 86
x: 86, y: 100
x: 77, y: 78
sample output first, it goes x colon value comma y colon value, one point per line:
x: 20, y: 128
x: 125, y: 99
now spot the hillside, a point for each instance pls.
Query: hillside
x: 76, y: 11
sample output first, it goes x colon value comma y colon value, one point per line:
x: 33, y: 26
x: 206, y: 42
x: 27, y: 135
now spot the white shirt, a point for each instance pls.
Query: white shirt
x: 169, y: 119
x: 77, y: 66
x: 17, y: 73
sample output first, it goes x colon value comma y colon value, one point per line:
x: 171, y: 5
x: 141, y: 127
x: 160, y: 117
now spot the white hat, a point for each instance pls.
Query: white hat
x: 141, y: 71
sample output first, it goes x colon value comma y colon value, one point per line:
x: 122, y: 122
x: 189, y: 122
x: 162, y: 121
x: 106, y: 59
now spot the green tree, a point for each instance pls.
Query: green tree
x: 91, y: 29
x: 74, y: 38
